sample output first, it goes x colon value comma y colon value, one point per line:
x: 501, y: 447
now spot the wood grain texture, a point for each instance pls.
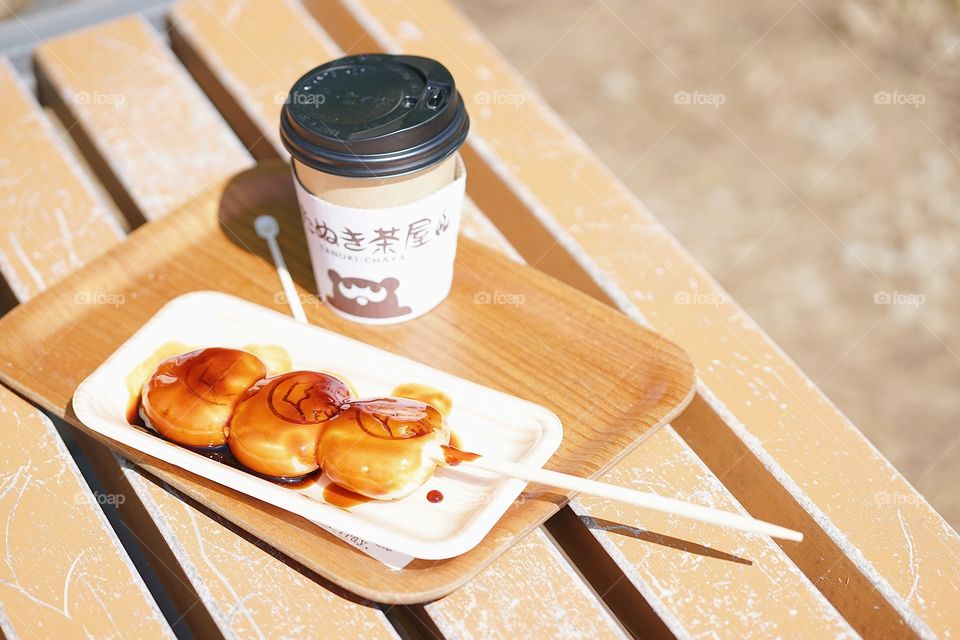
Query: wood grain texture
x: 63, y: 572
x: 147, y: 129
x: 51, y: 218
x: 879, y: 552
x: 558, y: 348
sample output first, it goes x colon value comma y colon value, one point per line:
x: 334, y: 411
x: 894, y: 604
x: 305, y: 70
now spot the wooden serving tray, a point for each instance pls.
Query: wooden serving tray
x: 504, y: 325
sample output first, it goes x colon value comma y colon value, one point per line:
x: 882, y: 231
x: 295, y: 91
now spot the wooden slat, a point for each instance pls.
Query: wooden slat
x: 247, y: 56
x: 51, y: 222
x: 64, y: 573
x: 51, y: 218
x: 529, y: 592
x: 149, y: 132
x: 783, y: 448
x: 700, y: 579
x: 477, y: 226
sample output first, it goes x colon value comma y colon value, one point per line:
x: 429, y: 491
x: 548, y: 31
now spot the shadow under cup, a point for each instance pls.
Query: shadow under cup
x: 380, y: 184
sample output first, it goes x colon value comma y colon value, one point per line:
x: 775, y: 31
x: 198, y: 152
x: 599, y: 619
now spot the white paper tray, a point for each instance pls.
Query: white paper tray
x: 484, y: 420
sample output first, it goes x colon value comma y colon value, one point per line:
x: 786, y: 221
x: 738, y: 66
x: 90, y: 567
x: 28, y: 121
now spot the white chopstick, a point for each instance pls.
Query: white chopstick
x: 632, y: 496
x: 268, y: 228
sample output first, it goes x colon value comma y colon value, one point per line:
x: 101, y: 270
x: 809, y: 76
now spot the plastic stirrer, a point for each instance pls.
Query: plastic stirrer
x: 268, y: 228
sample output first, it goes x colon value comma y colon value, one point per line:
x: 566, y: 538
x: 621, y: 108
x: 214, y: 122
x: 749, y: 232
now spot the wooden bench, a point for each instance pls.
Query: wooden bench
x: 585, y: 574
x: 537, y: 559
x: 206, y: 43
x: 759, y: 423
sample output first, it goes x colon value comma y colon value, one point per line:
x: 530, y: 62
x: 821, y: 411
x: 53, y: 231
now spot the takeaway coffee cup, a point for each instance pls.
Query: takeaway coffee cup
x: 380, y: 184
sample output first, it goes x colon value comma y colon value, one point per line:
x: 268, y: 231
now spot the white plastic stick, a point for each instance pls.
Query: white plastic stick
x: 268, y: 228
x: 632, y: 496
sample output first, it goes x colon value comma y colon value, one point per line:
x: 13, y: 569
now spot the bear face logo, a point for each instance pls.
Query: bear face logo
x: 366, y: 298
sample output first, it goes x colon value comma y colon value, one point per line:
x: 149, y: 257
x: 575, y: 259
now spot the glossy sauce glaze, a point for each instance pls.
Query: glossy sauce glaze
x: 453, y: 456
x: 441, y: 401
x: 381, y: 447
x: 142, y: 372
x: 273, y: 427
x: 223, y: 455
x: 425, y: 393
x: 344, y: 498
x: 190, y: 397
x: 276, y: 428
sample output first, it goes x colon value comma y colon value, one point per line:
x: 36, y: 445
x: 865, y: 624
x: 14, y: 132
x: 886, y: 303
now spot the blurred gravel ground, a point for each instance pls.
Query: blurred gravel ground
x: 823, y: 192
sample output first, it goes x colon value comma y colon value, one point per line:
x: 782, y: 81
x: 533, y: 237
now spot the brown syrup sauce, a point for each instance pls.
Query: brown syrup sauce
x: 453, y: 456
x: 223, y: 455
x: 341, y: 497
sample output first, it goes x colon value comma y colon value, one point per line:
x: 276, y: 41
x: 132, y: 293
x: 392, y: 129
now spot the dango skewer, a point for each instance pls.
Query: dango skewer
x: 386, y: 448
x: 449, y: 456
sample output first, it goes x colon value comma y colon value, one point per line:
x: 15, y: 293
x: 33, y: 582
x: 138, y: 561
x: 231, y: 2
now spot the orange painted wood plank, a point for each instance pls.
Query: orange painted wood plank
x: 778, y: 429
x: 151, y: 135
x: 529, y: 592
x: 52, y: 220
x: 476, y: 226
x: 703, y: 580
x: 249, y: 590
x: 247, y: 55
x: 63, y: 573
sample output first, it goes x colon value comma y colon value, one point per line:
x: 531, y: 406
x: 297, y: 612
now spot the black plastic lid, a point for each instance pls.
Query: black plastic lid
x: 374, y: 115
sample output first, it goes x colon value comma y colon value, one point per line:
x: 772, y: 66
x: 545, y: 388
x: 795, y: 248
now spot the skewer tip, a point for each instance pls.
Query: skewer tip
x: 793, y: 536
